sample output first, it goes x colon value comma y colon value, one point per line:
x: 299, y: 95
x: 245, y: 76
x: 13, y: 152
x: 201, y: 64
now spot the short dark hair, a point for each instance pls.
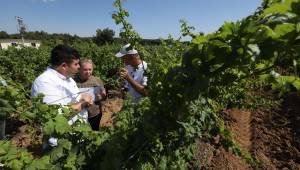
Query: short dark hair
x: 63, y: 54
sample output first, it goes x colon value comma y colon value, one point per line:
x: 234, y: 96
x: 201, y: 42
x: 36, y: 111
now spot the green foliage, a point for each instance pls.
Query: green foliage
x: 13, y: 61
x: 104, y: 36
x: 5, y: 108
x: 187, y: 30
x: 189, y: 84
x: 15, y: 159
x: 213, y: 68
x: 282, y: 84
x: 12, y: 99
x: 127, y: 32
x: 3, y: 34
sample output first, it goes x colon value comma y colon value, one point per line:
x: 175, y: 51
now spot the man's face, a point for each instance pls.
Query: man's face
x: 127, y: 59
x: 73, y: 67
x: 86, y: 71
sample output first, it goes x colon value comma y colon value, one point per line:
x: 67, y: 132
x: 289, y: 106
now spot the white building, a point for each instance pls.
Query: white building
x: 18, y: 43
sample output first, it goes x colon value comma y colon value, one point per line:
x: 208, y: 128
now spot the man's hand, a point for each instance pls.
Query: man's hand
x: 103, y: 93
x: 124, y: 73
x: 138, y: 87
x: 86, y: 99
x: 100, y: 96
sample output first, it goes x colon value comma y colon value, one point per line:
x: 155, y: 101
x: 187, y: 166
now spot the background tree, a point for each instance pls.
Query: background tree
x: 104, y: 36
x: 3, y: 34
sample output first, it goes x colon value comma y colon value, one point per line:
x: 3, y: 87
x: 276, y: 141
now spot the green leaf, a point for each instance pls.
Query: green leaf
x: 226, y: 31
x: 196, y: 62
x: 162, y: 163
x: 264, y: 33
x: 71, y: 161
x: 43, y: 107
x: 61, y: 125
x: 29, y: 115
x: 49, y: 127
x: 26, y: 157
x: 11, y: 153
x: 295, y: 63
x: 56, y: 153
x: 298, y: 27
x: 117, y: 4
x: 15, y: 164
x: 80, y: 160
x: 66, y: 110
x: 279, y: 8
x: 286, y: 84
x: 2, y: 151
x: 251, y: 27
x: 200, y: 40
x: 283, y: 29
x: 4, y: 103
x: 260, y: 66
x: 42, y: 163
x: 124, y: 12
x: 65, y: 144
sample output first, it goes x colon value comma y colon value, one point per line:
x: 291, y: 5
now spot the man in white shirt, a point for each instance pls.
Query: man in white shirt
x: 57, y: 85
x: 133, y: 73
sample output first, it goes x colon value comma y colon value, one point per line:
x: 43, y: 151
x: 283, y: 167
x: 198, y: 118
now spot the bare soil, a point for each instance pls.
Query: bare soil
x: 109, y: 108
x: 271, y: 135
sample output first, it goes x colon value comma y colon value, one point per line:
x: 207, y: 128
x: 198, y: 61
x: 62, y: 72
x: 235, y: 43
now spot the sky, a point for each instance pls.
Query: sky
x: 150, y: 18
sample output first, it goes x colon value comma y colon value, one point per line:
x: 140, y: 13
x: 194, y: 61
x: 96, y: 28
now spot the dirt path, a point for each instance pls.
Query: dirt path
x: 271, y: 135
x: 238, y: 122
x: 276, y: 139
x: 241, y: 127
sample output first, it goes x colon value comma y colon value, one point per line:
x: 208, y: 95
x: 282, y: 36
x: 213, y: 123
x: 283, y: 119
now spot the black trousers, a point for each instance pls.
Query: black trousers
x: 95, y: 121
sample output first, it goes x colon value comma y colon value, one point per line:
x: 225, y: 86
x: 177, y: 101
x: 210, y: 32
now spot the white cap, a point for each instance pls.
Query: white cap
x: 126, y: 49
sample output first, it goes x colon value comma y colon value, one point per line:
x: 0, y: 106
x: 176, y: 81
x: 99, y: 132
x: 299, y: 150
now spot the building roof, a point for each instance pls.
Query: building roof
x: 18, y: 41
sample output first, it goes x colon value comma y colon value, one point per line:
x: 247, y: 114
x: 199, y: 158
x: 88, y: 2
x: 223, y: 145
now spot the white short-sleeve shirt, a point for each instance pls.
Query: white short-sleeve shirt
x: 57, y: 89
x: 138, y: 75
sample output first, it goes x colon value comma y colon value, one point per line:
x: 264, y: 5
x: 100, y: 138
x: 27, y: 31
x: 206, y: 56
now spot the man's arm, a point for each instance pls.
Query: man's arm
x: 138, y: 87
x: 53, y: 96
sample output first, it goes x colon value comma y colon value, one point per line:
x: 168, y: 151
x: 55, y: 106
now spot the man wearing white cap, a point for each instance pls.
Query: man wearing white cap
x: 133, y: 73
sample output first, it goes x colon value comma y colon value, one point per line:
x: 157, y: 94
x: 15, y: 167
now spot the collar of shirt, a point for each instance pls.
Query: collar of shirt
x: 140, y: 66
x: 57, y: 73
